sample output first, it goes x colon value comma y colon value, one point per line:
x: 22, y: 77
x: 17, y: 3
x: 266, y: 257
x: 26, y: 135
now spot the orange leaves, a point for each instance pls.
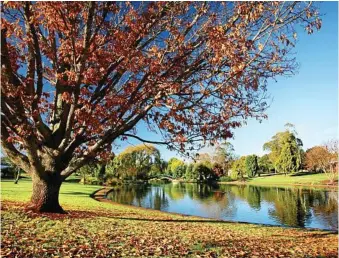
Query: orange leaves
x: 260, y: 47
x: 318, y: 158
x: 154, y: 49
x: 206, y: 63
x: 318, y: 23
x: 165, y: 124
x: 115, y: 230
x: 66, y: 96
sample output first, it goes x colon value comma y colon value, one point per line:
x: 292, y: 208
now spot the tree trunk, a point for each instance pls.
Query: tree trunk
x: 45, y: 196
x: 17, y: 177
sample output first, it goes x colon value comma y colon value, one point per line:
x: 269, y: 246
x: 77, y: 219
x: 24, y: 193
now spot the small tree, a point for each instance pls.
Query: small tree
x: 239, y: 168
x: 203, y: 157
x: 251, y: 165
x: 265, y: 164
x: 318, y: 158
x: 333, y: 148
x: 224, y: 156
x: 218, y: 170
x: 323, y: 158
x: 202, y: 171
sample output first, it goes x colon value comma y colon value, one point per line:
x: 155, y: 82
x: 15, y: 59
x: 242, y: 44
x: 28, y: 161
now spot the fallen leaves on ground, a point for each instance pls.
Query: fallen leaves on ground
x: 124, y: 231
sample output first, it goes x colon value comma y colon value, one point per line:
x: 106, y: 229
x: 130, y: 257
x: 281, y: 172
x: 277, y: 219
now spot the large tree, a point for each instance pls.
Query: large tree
x: 265, y: 164
x: 78, y: 76
x: 290, y: 158
x: 323, y: 158
x: 135, y: 162
x: 224, y: 156
x: 318, y: 158
x: 285, y: 150
x: 175, y: 165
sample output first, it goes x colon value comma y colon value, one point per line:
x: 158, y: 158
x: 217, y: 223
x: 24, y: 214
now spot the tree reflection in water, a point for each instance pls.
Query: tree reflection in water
x: 293, y: 206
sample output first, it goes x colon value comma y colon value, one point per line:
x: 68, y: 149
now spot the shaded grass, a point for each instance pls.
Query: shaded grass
x: 96, y: 229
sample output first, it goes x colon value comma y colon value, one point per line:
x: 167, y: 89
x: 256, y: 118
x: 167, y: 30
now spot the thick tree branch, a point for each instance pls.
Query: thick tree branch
x: 34, y: 51
x: 143, y: 140
x: 80, y: 69
x: 20, y: 159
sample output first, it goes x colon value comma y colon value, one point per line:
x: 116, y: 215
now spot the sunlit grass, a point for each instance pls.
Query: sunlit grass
x: 71, y: 194
x: 312, y: 179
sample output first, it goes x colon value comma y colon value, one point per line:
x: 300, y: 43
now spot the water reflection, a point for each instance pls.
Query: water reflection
x: 293, y: 206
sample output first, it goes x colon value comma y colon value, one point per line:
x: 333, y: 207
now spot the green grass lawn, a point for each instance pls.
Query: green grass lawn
x: 320, y: 179
x: 102, y: 229
x: 312, y: 179
x: 71, y: 194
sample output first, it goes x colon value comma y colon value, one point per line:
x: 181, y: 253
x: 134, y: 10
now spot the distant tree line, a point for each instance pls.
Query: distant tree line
x: 143, y: 162
x: 286, y: 155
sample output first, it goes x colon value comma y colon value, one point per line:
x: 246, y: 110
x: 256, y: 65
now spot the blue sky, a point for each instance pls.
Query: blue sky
x: 309, y: 99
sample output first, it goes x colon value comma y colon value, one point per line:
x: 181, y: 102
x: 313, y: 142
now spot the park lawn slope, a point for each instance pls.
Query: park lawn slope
x: 321, y: 180
x: 102, y: 229
x: 312, y: 179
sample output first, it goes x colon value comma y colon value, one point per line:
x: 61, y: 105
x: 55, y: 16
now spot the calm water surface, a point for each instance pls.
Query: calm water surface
x: 292, y: 206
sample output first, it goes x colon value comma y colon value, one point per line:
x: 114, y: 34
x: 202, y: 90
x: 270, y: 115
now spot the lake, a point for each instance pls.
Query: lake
x: 283, y: 206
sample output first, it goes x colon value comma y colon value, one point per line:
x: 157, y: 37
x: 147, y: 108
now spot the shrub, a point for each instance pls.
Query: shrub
x: 90, y: 181
x: 112, y: 181
x: 156, y: 181
x: 225, y: 179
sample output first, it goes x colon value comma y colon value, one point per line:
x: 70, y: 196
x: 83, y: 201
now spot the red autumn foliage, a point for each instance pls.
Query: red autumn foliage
x: 78, y: 76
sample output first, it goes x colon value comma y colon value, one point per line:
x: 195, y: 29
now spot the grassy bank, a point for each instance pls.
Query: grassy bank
x: 307, y: 180
x: 96, y: 229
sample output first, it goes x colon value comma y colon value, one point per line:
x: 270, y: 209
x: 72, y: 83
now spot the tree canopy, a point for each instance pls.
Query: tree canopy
x: 323, y: 158
x: 285, y: 150
x: 251, y: 165
x: 239, y: 168
x: 135, y: 162
x: 265, y: 164
x: 77, y: 76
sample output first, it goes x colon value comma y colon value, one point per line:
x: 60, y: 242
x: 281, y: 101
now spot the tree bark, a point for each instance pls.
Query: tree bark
x: 45, y: 195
